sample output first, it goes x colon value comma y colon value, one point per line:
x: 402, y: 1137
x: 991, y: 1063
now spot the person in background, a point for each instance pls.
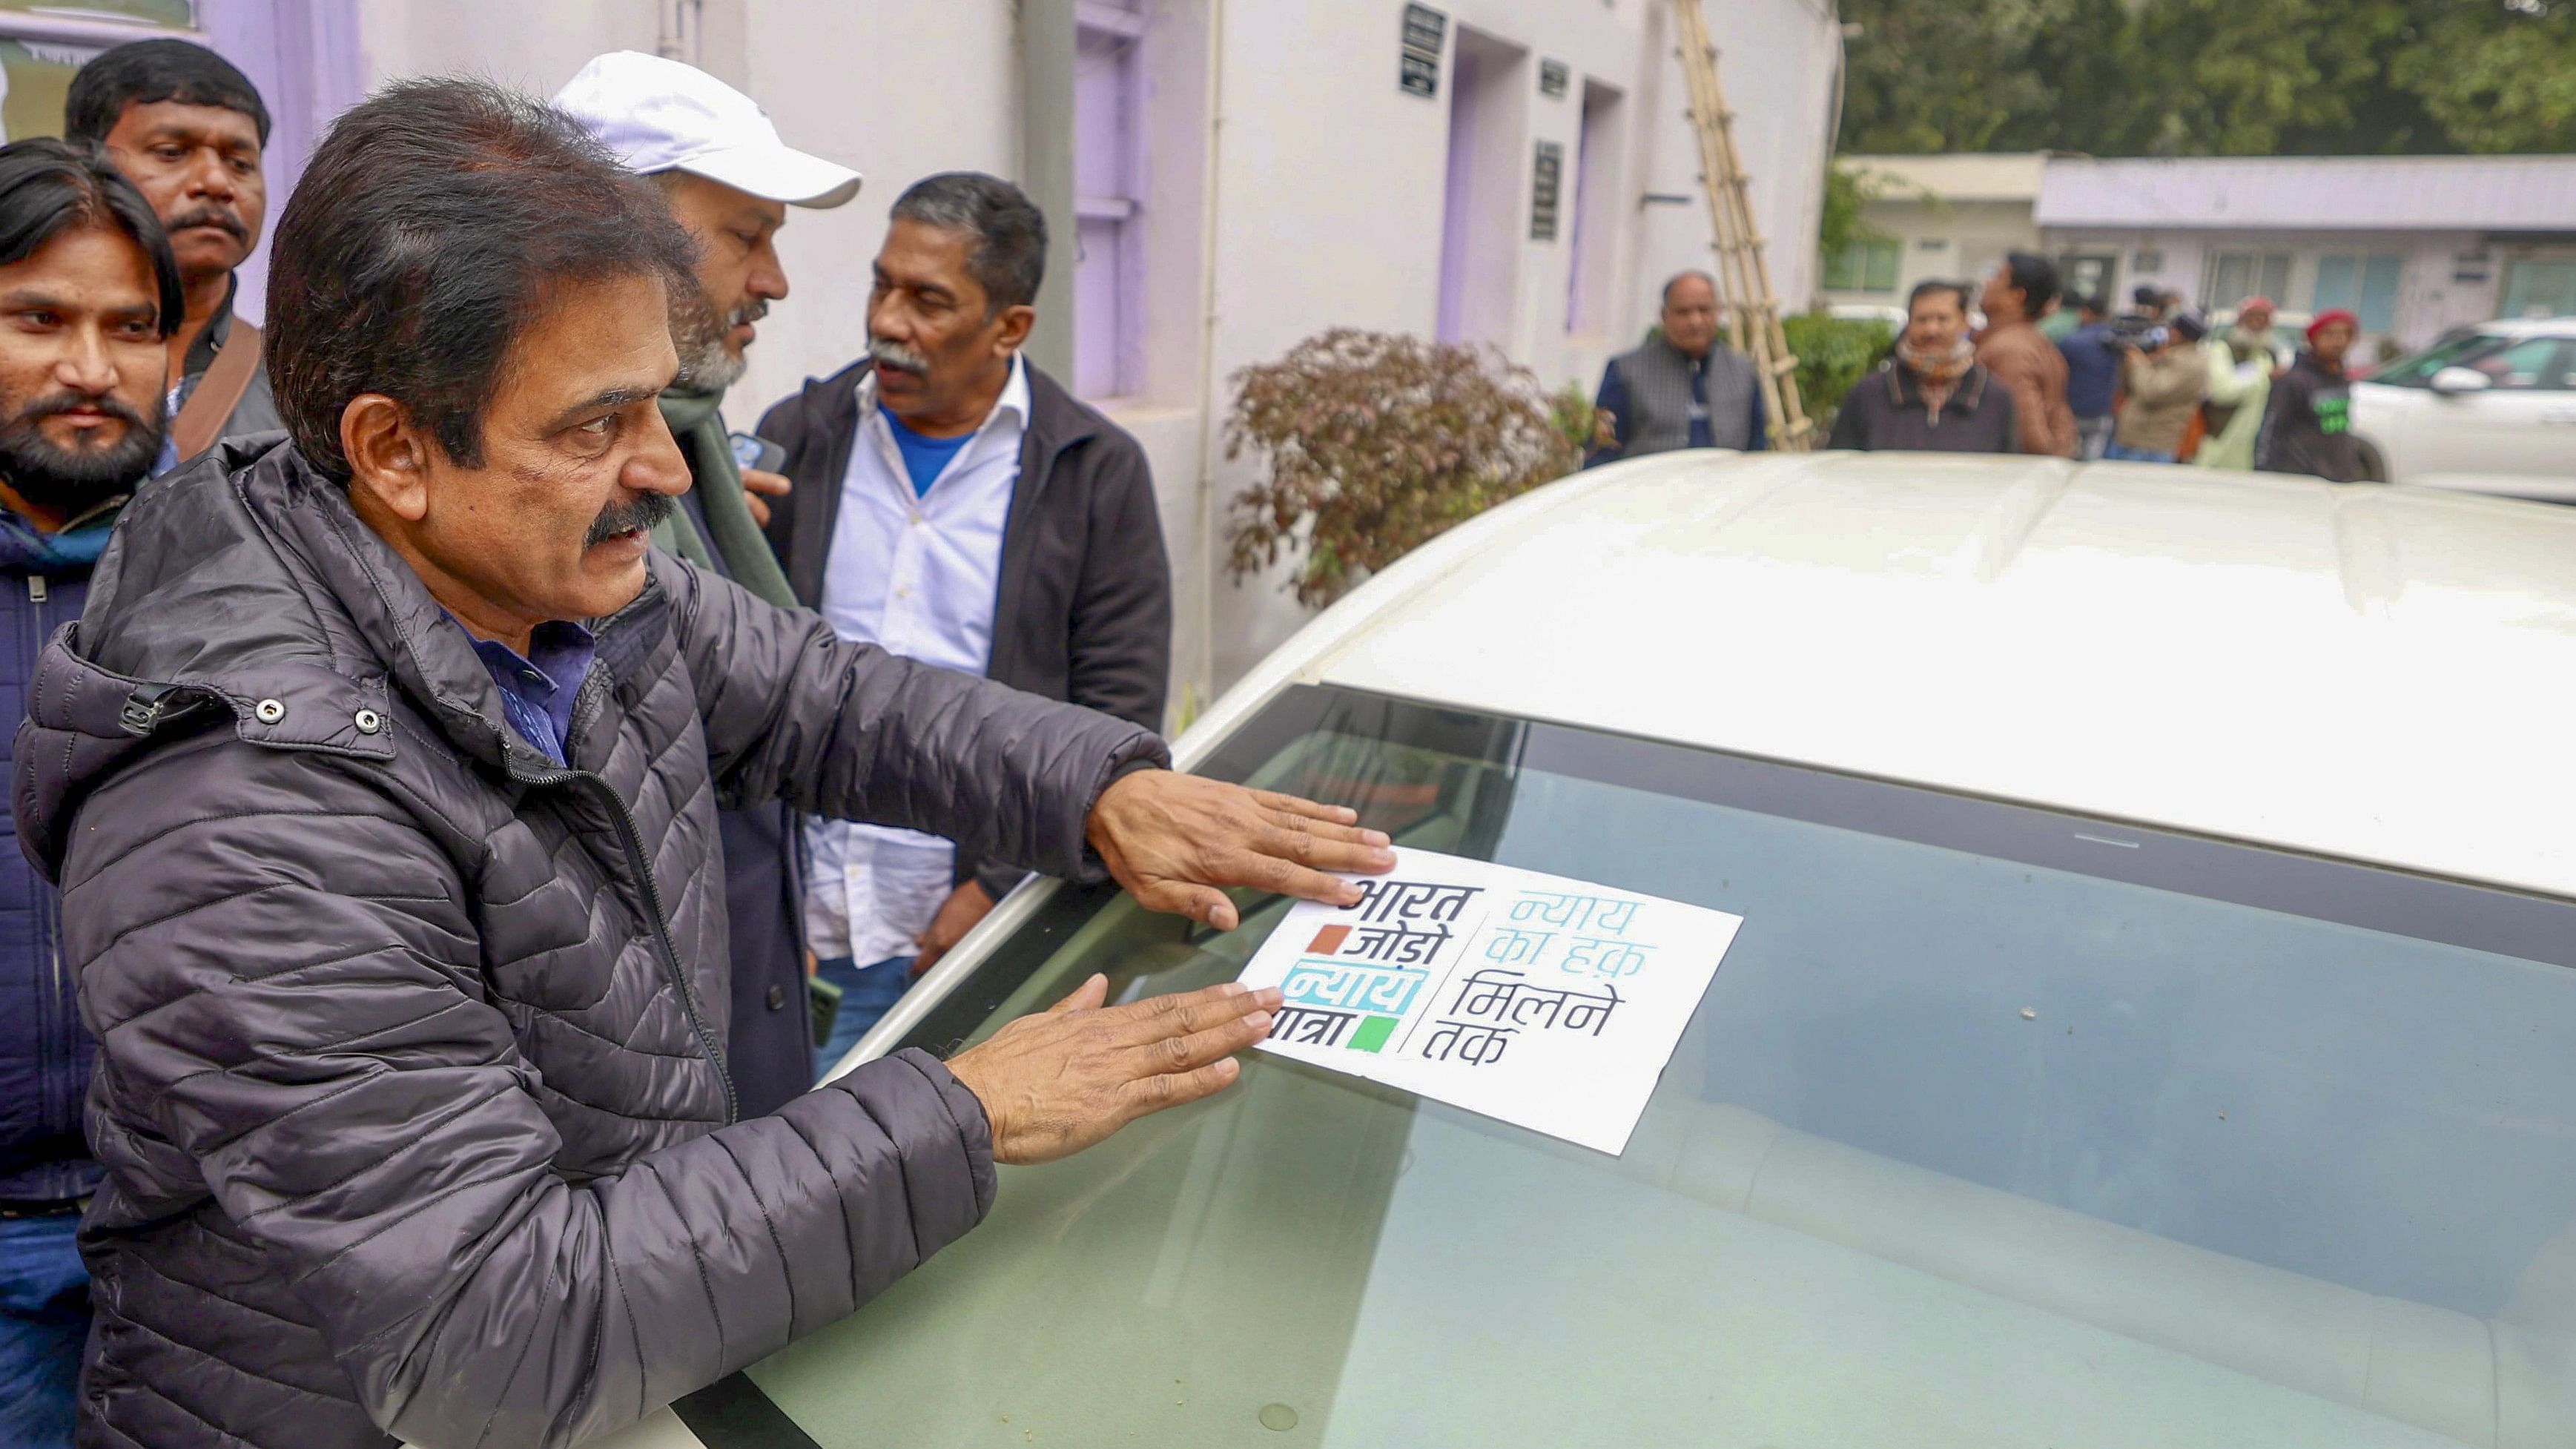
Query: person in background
x: 2307, y: 422
x: 2017, y: 294
x: 2164, y: 378
x: 2092, y: 377
x: 2242, y: 362
x: 954, y: 504
x: 1933, y: 396
x: 1684, y: 388
x: 189, y: 129
x: 729, y: 180
x: 80, y: 424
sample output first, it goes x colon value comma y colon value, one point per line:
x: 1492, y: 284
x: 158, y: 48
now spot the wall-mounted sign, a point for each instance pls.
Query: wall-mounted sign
x: 2147, y: 261
x: 1547, y: 181
x: 1418, y: 67
x: 1553, y: 78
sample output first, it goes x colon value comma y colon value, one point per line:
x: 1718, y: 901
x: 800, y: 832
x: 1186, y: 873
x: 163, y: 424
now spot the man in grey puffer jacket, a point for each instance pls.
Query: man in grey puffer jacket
x: 380, y: 776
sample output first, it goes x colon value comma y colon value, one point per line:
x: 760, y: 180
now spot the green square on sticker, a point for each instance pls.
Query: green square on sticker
x: 1372, y: 1033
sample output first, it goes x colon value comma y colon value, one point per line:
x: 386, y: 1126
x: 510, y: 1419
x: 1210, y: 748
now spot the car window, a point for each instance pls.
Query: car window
x: 2534, y: 364
x: 1997, y: 1127
x: 2459, y: 350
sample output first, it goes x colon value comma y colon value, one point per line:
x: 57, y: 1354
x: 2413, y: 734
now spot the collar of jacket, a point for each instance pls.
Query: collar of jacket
x: 1905, y: 390
x: 1056, y: 423
x: 219, y: 327
x: 246, y: 586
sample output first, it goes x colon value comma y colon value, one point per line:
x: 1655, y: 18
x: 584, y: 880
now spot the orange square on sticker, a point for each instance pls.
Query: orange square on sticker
x: 1329, y: 940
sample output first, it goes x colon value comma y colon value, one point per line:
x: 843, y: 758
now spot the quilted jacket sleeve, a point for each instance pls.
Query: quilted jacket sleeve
x: 276, y: 955
x: 850, y: 731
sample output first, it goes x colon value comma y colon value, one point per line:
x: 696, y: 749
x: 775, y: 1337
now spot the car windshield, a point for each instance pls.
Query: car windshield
x: 1997, y: 1127
x: 2460, y: 350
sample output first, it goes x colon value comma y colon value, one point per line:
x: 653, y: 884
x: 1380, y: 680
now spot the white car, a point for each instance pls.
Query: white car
x: 2487, y: 410
x: 2150, y: 1024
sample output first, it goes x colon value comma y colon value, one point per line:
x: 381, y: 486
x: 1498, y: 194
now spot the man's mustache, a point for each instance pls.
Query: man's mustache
x: 885, y: 353
x: 644, y: 511
x: 69, y: 402
x: 218, y: 217
x: 751, y: 311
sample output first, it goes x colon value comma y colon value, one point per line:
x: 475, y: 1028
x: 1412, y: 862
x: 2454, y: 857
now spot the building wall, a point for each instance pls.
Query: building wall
x: 1289, y: 185
x: 1945, y: 241
x: 2435, y: 291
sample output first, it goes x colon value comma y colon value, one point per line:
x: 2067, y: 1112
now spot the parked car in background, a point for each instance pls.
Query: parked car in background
x: 2148, y: 1027
x: 2488, y: 409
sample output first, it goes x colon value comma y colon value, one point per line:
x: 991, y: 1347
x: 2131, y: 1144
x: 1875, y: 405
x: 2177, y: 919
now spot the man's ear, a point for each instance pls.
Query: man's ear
x: 388, y: 457
x: 1016, y: 322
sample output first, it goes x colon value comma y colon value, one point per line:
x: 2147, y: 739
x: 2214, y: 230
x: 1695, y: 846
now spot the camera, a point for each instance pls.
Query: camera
x: 2146, y: 334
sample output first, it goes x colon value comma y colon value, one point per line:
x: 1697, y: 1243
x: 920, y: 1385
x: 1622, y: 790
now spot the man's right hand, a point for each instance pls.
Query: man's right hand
x: 1057, y: 1082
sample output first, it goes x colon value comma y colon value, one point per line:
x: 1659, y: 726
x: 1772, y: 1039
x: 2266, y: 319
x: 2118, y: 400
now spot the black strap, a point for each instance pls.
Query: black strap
x: 732, y: 1413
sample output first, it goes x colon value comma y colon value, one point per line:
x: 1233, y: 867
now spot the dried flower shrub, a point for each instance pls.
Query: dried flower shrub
x: 1378, y: 443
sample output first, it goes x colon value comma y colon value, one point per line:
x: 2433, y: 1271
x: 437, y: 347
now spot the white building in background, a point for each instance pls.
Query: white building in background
x: 2415, y: 245
x: 1244, y: 174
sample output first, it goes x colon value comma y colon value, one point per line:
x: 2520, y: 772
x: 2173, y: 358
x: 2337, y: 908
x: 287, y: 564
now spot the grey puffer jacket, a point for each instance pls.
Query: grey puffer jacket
x: 410, y: 1091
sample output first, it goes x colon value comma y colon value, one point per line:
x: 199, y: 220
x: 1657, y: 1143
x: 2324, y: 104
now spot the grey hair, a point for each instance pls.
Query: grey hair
x: 1680, y: 277
x: 1008, y: 259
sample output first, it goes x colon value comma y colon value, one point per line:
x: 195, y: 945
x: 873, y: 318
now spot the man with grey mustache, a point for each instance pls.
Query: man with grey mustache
x: 954, y: 504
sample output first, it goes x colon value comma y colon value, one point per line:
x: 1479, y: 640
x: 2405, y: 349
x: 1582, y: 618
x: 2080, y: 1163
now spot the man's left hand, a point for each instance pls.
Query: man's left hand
x: 1172, y: 840
x: 958, y: 914
x: 758, y: 487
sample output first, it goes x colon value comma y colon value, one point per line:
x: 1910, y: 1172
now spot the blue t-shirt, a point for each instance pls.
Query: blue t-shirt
x: 924, y: 458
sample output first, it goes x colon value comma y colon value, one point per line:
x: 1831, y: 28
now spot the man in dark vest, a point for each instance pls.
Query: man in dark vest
x: 1683, y: 389
x: 729, y: 179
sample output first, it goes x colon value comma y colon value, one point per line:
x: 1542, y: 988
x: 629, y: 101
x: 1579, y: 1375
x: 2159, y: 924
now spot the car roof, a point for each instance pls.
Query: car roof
x: 2530, y: 327
x: 2381, y: 674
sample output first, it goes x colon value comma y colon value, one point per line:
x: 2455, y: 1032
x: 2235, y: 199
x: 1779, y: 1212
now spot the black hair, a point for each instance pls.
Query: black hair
x: 1925, y: 289
x: 425, y: 238
x: 1008, y: 259
x: 1677, y: 278
x: 2035, y: 277
x: 142, y: 72
x: 49, y: 187
x: 2093, y: 304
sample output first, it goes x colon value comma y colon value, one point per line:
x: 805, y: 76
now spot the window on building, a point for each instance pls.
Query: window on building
x: 1588, y: 281
x: 1866, y: 265
x: 42, y: 46
x: 2365, y: 286
x: 2234, y: 276
x: 1108, y: 203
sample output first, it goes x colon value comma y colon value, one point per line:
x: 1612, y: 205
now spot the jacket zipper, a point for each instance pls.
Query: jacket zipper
x: 630, y: 839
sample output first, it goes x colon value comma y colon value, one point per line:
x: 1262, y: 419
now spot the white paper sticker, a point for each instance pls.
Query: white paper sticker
x: 1549, y: 1003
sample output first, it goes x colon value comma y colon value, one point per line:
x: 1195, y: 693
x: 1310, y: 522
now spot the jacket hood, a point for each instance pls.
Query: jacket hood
x: 243, y: 591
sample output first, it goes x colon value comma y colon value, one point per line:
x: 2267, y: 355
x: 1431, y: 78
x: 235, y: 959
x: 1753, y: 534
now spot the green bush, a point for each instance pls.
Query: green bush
x: 1833, y: 355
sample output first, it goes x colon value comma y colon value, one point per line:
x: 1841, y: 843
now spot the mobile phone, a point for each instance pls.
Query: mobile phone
x: 753, y: 451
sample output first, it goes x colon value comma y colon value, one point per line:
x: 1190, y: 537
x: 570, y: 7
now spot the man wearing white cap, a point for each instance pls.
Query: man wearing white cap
x: 729, y: 180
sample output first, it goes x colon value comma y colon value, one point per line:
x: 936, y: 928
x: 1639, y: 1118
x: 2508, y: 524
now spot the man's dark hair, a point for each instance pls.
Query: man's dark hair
x: 2035, y: 277
x: 428, y: 233
x: 1677, y: 278
x: 2093, y: 306
x: 1926, y: 289
x: 50, y: 187
x: 142, y: 72
x: 1008, y: 259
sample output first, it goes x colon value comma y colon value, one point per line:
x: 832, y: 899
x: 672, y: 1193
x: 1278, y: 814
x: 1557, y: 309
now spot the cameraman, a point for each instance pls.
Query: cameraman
x: 2165, y: 378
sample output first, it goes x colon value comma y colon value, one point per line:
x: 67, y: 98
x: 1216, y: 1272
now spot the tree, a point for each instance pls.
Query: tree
x: 2499, y: 85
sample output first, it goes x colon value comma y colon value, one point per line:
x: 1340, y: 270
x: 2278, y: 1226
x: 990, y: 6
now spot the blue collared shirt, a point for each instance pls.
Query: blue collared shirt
x: 537, y: 693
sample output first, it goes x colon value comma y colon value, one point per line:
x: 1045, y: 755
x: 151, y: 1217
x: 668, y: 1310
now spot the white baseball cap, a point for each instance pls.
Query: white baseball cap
x: 660, y: 115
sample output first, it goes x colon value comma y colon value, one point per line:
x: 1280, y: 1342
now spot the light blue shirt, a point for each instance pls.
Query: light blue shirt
x: 919, y: 573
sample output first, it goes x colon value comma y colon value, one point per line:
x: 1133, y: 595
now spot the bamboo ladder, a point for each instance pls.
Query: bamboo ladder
x: 1744, y: 276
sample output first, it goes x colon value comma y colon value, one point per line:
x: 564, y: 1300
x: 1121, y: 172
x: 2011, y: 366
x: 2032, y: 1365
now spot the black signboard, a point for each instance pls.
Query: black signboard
x: 1553, y: 78
x: 1418, y: 68
x: 1544, y: 185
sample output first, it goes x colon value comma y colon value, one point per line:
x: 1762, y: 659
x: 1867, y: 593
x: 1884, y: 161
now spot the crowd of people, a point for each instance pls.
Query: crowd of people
x: 2150, y: 385
x: 460, y: 777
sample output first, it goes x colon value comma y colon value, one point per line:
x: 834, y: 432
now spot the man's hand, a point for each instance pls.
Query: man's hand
x: 1173, y: 839
x: 1055, y: 1083
x: 958, y: 914
x: 758, y: 487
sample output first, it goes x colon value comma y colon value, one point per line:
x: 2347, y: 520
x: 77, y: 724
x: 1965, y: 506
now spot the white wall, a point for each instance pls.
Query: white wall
x: 1955, y: 241
x: 2430, y: 300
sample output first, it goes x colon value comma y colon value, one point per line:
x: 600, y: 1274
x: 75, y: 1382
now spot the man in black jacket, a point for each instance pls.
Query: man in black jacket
x: 954, y: 504
x: 1933, y: 396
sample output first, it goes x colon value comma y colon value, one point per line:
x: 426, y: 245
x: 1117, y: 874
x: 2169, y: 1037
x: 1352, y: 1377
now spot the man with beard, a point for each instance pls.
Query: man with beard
x: 90, y: 293
x: 956, y: 505
x: 2241, y: 367
x: 1933, y: 396
x: 729, y: 180
x: 187, y: 128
